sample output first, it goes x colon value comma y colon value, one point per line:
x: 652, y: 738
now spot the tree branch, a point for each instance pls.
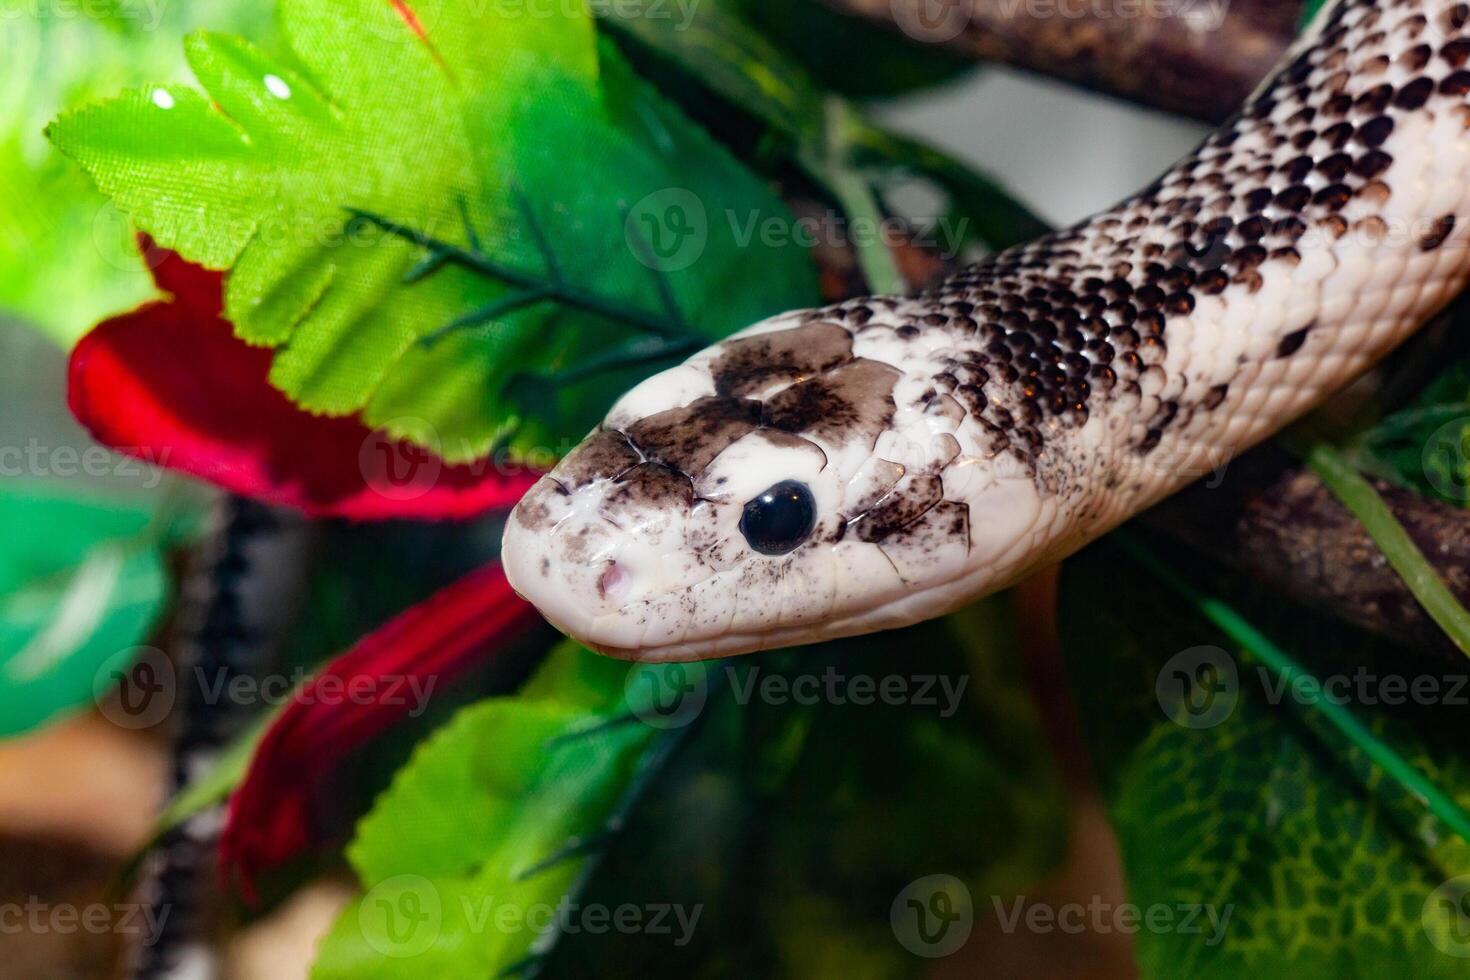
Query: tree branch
x: 1275, y: 521
x: 1197, y: 58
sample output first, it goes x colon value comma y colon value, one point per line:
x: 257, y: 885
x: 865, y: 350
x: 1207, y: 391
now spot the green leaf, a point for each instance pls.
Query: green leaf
x: 1426, y: 445
x: 713, y: 42
x: 892, y: 787
x: 81, y: 582
x: 473, y: 826
x: 808, y: 802
x: 824, y: 134
x: 69, y: 256
x: 1248, y: 805
x: 992, y: 216
x: 850, y: 55
x: 450, y: 137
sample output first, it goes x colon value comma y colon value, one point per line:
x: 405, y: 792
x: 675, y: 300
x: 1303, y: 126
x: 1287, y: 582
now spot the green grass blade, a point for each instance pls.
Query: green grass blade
x: 1288, y: 670
x: 1359, y: 496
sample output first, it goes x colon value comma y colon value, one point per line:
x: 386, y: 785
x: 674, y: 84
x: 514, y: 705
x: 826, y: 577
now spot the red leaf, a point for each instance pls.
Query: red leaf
x: 171, y: 384
x: 270, y: 815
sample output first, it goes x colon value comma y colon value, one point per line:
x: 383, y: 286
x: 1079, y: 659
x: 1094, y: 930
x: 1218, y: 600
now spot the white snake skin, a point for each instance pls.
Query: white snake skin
x: 957, y: 440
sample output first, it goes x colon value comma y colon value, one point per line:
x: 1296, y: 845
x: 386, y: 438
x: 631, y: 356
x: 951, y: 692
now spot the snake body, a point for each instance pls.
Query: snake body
x: 944, y: 445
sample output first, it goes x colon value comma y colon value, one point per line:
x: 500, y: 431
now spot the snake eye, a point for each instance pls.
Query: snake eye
x: 779, y: 519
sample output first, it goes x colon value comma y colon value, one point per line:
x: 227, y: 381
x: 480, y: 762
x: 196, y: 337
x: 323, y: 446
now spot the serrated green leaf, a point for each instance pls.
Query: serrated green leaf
x: 445, y: 136
x: 472, y: 825
x: 1311, y: 862
x: 69, y: 256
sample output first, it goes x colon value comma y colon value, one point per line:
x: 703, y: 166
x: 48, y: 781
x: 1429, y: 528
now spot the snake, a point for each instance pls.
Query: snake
x: 884, y: 460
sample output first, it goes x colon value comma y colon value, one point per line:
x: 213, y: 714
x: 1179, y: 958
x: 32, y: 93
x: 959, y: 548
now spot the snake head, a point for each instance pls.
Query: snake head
x: 756, y: 496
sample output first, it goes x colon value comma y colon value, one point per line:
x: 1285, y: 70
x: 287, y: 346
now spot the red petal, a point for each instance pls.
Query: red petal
x: 171, y: 384
x: 270, y: 814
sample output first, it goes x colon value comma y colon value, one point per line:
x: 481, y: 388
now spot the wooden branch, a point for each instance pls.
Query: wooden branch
x: 1198, y: 58
x: 1274, y: 520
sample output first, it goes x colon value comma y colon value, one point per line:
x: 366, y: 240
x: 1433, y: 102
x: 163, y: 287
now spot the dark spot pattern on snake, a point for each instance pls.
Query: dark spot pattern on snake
x: 748, y: 364
x: 851, y: 402
x: 688, y: 438
x: 1084, y: 313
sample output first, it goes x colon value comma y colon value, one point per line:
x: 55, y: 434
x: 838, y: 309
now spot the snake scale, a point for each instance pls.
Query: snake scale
x: 881, y: 461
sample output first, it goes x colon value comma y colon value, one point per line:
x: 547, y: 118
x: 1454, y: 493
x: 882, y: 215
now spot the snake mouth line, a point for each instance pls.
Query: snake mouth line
x: 869, y: 619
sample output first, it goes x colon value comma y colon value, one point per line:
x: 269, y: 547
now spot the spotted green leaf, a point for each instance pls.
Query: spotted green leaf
x: 1291, y: 854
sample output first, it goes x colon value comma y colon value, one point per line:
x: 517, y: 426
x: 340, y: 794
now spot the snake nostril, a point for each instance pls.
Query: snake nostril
x: 614, y: 582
